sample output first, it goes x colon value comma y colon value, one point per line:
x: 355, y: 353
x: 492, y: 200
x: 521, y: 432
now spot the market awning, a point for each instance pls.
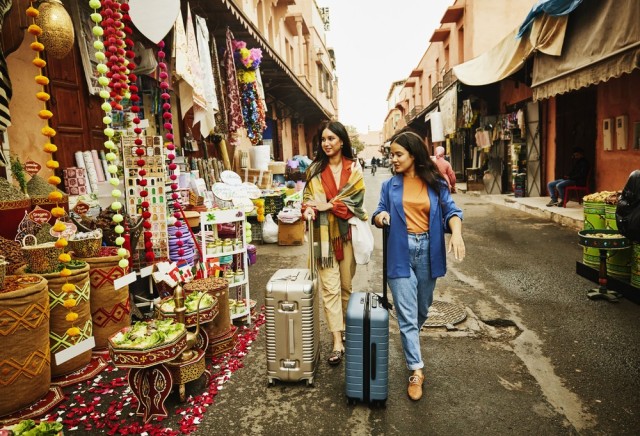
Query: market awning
x: 602, y: 42
x: 546, y: 35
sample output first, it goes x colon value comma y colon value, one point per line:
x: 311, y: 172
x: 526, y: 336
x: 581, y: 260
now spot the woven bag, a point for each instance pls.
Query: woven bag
x: 24, y: 335
x: 58, y: 325
x: 41, y: 258
x: 110, y: 307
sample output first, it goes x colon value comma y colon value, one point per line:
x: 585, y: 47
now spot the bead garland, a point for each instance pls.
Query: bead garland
x: 140, y: 151
x: 58, y: 212
x: 168, y: 127
x: 108, y: 103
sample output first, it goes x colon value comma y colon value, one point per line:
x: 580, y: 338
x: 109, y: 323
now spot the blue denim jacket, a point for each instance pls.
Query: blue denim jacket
x: 398, y: 243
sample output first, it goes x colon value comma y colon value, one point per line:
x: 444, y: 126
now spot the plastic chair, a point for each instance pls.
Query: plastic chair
x: 580, y: 191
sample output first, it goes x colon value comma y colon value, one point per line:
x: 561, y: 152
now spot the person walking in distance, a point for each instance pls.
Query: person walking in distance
x: 445, y: 168
x: 334, y: 193
x: 374, y: 165
x: 418, y: 207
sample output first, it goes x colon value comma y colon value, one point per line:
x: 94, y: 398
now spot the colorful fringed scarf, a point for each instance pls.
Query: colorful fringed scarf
x: 329, y: 230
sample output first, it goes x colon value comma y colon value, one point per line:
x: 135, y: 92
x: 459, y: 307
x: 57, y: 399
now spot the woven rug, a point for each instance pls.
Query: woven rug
x: 54, y: 397
x: 89, y: 371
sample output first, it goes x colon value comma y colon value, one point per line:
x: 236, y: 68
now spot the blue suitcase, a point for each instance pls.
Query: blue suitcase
x: 367, y: 344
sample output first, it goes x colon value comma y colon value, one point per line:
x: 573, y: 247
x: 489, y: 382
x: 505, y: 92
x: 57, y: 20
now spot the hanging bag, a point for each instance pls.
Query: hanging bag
x: 361, y: 240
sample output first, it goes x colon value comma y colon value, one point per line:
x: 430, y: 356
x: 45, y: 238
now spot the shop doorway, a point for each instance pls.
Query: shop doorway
x: 575, y: 127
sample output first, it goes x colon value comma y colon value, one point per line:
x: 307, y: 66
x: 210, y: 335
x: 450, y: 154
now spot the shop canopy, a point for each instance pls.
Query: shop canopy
x: 546, y: 36
x: 602, y: 42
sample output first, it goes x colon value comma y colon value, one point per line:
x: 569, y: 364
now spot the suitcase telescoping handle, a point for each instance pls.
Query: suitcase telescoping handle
x: 312, y: 251
x: 385, y: 235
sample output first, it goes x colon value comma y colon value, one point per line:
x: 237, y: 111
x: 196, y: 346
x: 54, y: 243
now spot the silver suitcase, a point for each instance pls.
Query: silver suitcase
x: 292, y: 324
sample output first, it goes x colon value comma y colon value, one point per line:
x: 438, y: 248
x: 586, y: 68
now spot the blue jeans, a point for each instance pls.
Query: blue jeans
x: 412, y: 297
x: 559, y: 184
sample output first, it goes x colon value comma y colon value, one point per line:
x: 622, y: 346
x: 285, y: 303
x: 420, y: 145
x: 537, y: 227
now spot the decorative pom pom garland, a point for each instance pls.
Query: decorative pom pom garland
x: 58, y: 212
x: 171, y: 155
x: 140, y: 150
x: 111, y: 30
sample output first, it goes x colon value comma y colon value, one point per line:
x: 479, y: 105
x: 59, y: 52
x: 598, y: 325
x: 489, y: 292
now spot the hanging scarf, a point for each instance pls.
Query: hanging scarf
x: 329, y: 230
x: 233, y: 93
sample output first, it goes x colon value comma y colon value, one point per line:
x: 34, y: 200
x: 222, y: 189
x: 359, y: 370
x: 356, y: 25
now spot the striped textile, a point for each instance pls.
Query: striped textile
x: 5, y: 81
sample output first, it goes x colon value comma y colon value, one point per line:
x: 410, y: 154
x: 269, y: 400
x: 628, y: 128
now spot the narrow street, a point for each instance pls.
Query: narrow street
x: 533, y: 356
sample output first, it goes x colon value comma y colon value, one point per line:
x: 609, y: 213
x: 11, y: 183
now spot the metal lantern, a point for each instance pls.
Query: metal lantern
x: 57, y: 28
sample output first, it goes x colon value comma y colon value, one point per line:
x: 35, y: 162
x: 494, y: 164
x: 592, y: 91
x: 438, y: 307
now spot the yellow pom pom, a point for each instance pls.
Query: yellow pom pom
x: 54, y: 180
x: 39, y: 62
x: 37, y: 46
x: 56, y: 196
x: 42, y: 96
x: 49, y: 132
x: 58, y: 212
x: 59, y: 226
x: 73, y: 332
x: 70, y: 302
x: 32, y: 12
x: 68, y: 287
x: 71, y: 316
x: 65, y: 272
x: 35, y: 30
x: 42, y: 80
x: 61, y: 243
x: 64, y: 258
x: 45, y: 114
x: 50, y: 148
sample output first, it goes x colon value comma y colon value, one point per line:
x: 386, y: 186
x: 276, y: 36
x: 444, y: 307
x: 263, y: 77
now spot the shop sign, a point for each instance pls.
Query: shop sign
x: 39, y: 215
x: 81, y: 208
x: 32, y: 167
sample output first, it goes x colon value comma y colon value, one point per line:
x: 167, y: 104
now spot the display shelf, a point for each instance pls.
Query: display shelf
x: 209, y: 222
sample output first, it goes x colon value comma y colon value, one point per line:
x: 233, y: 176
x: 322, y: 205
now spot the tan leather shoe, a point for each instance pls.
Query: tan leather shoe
x: 415, y: 387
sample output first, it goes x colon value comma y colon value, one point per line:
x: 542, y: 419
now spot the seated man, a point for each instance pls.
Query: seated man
x: 577, y: 176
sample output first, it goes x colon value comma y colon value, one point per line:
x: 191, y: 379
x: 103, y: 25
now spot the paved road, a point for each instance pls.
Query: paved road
x: 533, y: 357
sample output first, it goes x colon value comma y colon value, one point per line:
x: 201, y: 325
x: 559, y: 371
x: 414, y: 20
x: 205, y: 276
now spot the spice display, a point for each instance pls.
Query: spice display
x: 18, y: 173
x: 39, y: 187
x: 8, y: 192
x: 44, y: 234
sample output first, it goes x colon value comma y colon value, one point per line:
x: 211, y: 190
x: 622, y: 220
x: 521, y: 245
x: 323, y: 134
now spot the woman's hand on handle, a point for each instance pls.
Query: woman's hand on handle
x: 309, y: 213
x: 382, y: 219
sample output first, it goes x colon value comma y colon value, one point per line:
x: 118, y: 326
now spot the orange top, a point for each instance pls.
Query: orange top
x: 415, y: 201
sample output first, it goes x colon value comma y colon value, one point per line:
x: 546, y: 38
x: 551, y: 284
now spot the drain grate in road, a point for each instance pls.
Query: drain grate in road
x: 442, y: 314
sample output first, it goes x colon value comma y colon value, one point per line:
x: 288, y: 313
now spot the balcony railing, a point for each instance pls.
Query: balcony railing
x: 448, y: 78
x: 436, y: 89
x: 412, y: 114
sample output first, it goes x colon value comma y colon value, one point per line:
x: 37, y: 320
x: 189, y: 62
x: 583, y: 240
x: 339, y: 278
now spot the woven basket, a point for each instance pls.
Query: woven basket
x: 25, y: 356
x: 41, y: 258
x: 3, y: 271
x: 85, y: 248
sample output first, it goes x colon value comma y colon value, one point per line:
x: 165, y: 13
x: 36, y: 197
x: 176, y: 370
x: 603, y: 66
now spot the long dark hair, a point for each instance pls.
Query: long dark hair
x: 425, y: 168
x: 321, y: 159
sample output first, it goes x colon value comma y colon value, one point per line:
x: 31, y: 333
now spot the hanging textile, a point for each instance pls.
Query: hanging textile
x: 207, y: 119
x: 233, y: 93
x: 5, y: 81
x: 193, y: 59
x: 221, y: 115
x: 187, y: 66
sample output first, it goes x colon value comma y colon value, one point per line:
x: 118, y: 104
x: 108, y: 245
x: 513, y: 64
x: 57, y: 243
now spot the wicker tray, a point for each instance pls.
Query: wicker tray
x: 207, y: 314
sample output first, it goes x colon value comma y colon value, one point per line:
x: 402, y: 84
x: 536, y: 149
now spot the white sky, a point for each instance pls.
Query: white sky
x: 377, y: 42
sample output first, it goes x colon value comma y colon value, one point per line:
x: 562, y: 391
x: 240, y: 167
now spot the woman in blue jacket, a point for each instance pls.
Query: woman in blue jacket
x: 417, y: 205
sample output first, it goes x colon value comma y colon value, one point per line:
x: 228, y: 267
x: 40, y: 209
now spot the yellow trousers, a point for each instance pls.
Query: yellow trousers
x: 335, y: 282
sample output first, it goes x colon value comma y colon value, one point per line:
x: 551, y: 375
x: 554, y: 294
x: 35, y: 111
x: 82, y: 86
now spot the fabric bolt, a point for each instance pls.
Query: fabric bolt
x: 98, y: 165
x: 234, y: 108
x: 91, y: 170
x: 336, y: 282
x: 411, y: 306
x: 221, y: 115
x: 81, y: 164
x: 207, y: 117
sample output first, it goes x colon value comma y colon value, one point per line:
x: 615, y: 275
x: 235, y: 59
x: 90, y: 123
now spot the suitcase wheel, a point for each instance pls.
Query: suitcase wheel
x: 309, y: 382
x: 271, y: 383
x: 351, y: 401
